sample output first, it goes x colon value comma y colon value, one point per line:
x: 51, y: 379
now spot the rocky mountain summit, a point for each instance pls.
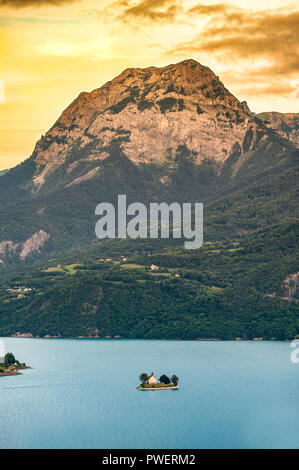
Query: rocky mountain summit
x: 149, y: 113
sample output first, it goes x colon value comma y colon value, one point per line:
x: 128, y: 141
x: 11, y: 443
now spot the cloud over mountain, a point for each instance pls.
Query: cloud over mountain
x: 155, y: 10
x: 35, y: 3
x: 272, y: 36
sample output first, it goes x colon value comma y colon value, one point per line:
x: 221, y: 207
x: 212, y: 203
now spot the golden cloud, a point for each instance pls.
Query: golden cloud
x: 268, y: 36
x: 153, y: 9
x: 32, y: 3
x: 202, y: 9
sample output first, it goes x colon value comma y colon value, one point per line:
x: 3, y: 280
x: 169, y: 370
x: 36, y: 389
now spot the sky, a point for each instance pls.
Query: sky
x: 52, y: 50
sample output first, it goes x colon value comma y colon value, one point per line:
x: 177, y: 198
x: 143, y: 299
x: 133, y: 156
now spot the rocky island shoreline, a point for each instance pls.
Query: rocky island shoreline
x: 9, y: 365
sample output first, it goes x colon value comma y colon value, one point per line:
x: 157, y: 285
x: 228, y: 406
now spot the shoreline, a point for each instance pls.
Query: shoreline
x: 116, y: 337
x: 175, y: 387
x: 13, y: 370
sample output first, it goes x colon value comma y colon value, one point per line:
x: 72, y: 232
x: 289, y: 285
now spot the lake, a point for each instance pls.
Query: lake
x: 82, y: 394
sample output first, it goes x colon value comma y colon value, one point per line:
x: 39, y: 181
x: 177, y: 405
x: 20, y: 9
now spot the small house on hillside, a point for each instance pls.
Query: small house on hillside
x: 154, y: 267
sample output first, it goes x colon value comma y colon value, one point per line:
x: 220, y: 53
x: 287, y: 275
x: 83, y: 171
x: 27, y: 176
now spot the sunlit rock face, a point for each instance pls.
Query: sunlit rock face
x: 150, y: 113
x: 287, y: 124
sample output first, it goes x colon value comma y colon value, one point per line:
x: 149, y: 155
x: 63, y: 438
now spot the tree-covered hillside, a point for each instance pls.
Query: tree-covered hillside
x: 226, y: 289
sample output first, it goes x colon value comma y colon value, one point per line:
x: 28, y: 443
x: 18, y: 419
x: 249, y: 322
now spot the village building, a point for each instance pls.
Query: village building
x: 154, y: 267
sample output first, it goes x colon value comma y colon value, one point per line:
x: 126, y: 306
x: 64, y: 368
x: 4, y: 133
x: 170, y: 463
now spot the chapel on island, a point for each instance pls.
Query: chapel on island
x: 152, y: 379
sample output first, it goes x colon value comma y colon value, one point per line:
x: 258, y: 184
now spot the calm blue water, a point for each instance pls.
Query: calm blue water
x: 81, y: 394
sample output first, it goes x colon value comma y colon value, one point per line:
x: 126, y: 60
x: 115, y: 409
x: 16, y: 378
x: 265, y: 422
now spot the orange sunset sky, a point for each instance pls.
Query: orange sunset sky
x: 51, y: 50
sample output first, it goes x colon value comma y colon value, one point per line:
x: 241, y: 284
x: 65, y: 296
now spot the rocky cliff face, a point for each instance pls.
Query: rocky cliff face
x: 33, y: 244
x: 150, y: 113
x: 286, y: 124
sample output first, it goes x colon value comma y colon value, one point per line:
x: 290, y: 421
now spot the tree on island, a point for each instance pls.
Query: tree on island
x: 174, y: 379
x: 9, y: 359
x: 143, y: 378
x: 164, y: 379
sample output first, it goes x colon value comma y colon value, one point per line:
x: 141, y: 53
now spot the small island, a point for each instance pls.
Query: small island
x: 149, y: 382
x: 9, y: 365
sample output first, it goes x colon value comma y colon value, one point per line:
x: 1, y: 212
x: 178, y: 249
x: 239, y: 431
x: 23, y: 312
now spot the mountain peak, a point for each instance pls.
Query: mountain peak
x: 150, y: 112
x: 184, y: 78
